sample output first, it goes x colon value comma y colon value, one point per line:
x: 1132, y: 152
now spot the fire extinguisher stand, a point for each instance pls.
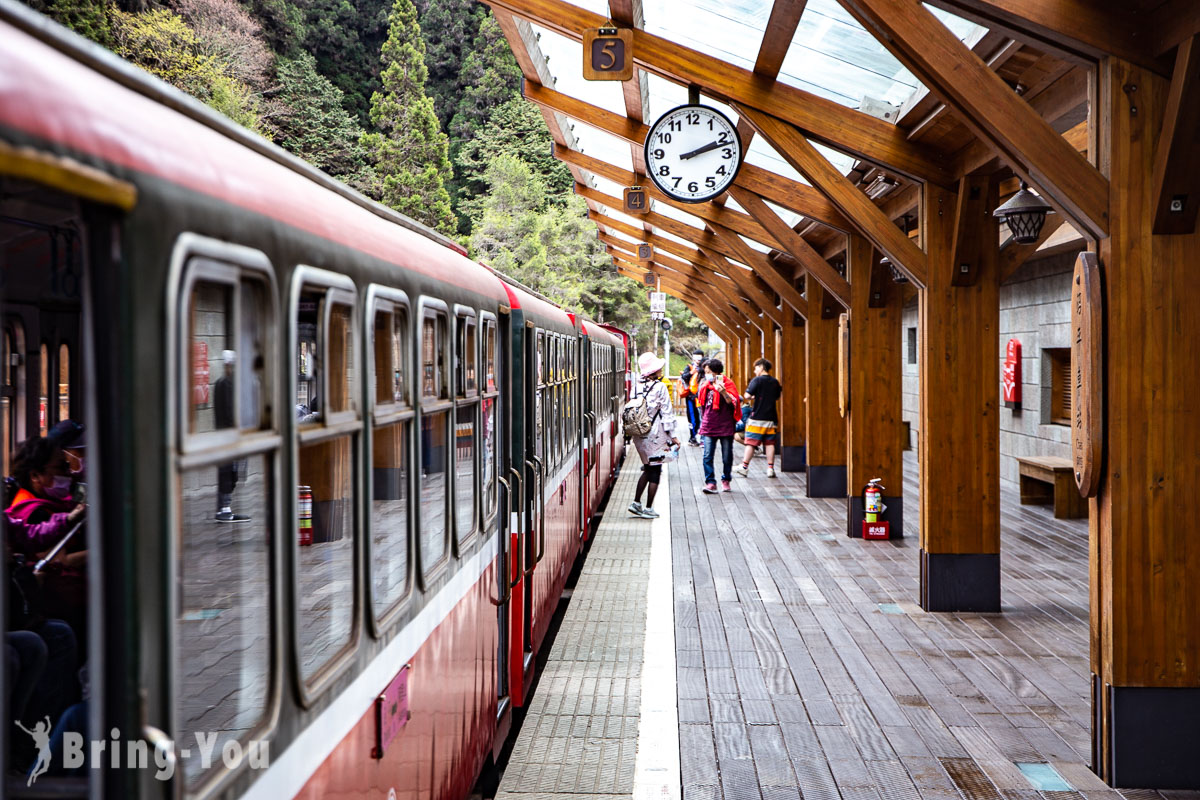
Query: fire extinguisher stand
x: 872, y: 515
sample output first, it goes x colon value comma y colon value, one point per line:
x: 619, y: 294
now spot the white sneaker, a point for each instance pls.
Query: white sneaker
x: 771, y: 472
x: 635, y: 508
x: 648, y: 513
x: 740, y: 469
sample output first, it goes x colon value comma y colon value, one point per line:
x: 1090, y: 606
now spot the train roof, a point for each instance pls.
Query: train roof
x: 74, y: 98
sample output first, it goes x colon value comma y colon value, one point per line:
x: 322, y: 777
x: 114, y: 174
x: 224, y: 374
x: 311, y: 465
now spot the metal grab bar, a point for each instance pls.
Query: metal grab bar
x: 503, y: 551
x: 542, y: 516
x: 520, y: 506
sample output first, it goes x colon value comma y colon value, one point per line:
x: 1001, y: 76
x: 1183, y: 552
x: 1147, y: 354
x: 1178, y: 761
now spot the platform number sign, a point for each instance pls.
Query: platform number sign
x: 636, y: 201
x: 645, y: 252
x: 608, y: 54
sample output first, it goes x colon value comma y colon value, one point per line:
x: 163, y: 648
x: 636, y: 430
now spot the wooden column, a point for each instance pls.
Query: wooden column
x: 826, y: 435
x: 793, y: 375
x: 758, y: 341
x: 770, y: 347
x: 1145, y: 559
x: 873, y: 420
x: 959, y: 410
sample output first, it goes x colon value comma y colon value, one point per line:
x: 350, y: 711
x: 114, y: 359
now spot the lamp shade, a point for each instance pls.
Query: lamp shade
x: 1025, y: 213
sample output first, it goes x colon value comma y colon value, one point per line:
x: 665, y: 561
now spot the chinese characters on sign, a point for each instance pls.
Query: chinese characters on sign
x: 1087, y: 377
x: 658, y: 302
x: 1012, y: 375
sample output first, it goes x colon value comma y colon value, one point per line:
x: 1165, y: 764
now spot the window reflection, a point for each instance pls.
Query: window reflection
x: 434, y: 489
x: 389, y: 514
x: 464, y: 471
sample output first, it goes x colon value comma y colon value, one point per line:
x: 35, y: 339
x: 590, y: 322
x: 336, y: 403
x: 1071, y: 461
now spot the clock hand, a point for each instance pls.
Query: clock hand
x: 704, y: 149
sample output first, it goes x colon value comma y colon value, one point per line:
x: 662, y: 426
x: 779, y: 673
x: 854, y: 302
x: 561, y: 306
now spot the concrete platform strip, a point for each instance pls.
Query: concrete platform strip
x: 603, y: 722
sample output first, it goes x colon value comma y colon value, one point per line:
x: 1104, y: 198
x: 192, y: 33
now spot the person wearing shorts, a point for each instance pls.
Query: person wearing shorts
x: 762, y: 428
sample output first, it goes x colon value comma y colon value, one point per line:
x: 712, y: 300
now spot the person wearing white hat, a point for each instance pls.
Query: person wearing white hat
x: 654, y: 447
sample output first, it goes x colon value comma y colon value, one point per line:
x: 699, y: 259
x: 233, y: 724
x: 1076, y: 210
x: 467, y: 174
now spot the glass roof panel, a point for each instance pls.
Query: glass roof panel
x: 604, y: 146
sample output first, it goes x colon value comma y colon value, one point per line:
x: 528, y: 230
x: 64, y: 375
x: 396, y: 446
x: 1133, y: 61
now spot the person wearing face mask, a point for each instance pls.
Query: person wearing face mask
x: 43, y: 510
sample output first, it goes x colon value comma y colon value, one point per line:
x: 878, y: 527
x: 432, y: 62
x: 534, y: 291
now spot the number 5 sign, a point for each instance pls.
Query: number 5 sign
x: 607, y: 54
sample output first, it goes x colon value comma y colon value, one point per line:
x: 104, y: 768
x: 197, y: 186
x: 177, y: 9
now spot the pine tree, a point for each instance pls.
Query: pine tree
x: 410, y: 151
x: 448, y: 28
x: 490, y: 77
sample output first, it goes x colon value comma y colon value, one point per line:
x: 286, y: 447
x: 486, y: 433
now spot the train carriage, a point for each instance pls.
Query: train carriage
x: 336, y: 470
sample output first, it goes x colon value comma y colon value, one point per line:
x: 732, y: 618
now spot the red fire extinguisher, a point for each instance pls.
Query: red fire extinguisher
x: 304, y: 508
x: 873, y: 500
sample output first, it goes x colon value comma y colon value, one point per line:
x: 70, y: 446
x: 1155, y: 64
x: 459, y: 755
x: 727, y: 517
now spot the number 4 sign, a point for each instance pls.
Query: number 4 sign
x: 607, y: 54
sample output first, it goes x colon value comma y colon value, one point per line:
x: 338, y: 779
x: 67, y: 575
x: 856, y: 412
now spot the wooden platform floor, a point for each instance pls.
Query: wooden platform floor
x: 807, y: 670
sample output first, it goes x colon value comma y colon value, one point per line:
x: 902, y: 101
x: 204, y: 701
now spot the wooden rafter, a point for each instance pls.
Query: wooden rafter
x: 684, y: 271
x: 763, y: 268
x: 776, y: 188
x: 995, y: 61
x: 866, y: 217
x: 988, y: 107
x: 746, y: 280
x: 1172, y: 23
x: 742, y: 223
x: 628, y: 13
x: 1082, y: 30
x: 850, y: 131
x: 777, y: 36
x: 794, y: 245
x: 1177, y: 156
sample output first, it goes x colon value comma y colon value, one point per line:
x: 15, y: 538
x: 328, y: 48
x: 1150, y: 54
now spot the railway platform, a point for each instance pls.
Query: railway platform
x: 741, y: 647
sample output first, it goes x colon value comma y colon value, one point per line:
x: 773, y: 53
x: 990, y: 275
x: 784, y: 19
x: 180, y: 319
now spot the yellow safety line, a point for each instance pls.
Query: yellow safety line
x: 68, y: 175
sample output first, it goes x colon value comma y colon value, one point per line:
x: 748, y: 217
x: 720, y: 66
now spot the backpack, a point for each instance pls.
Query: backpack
x: 635, y: 419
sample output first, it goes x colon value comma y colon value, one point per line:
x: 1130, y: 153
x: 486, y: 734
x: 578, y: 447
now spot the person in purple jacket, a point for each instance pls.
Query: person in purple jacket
x: 719, y: 406
x: 43, y: 510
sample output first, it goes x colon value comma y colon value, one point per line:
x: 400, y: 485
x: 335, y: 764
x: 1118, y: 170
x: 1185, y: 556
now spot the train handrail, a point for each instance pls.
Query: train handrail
x: 520, y: 506
x: 541, y: 517
x: 503, y: 553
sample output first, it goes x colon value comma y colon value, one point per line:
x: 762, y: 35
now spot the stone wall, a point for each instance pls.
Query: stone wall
x: 1035, y: 309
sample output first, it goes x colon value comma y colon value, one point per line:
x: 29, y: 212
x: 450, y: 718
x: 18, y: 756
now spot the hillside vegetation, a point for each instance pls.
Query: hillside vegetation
x: 415, y: 104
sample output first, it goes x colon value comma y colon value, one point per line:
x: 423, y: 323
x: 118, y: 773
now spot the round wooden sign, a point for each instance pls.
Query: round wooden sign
x: 1087, y: 373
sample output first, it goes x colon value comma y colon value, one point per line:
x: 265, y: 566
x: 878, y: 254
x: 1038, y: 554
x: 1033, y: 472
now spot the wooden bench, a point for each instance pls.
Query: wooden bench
x: 1046, y: 479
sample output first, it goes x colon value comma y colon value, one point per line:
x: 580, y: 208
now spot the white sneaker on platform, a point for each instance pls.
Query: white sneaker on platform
x: 771, y: 472
x: 741, y: 470
x: 635, y: 508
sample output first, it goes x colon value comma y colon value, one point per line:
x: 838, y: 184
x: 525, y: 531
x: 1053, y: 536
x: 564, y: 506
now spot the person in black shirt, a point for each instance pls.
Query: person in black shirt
x: 763, y: 425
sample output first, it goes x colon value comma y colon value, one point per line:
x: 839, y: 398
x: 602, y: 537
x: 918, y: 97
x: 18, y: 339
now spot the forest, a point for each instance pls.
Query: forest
x: 415, y: 104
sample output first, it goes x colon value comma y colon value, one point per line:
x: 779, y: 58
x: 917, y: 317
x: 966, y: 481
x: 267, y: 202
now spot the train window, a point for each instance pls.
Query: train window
x: 433, y: 355
x: 222, y: 573
x: 223, y: 627
x: 489, y: 441
x: 44, y: 394
x: 64, y: 381
x: 539, y: 402
x: 489, y: 356
x: 327, y: 383
x: 391, y: 455
x: 466, y: 379
x: 389, y: 514
x: 390, y: 337
x: 433, y: 482
x: 464, y: 471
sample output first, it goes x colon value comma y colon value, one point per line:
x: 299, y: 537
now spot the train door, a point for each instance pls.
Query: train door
x: 58, y: 280
x: 498, y: 365
x: 537, y: 439
x: 587, y: 437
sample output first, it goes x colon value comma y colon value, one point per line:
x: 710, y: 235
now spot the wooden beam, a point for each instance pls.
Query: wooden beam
x: 794, y: 244
x: 866, y: 217
x: 977, y: 199
x: 988, y: 107
x: 763, y: 268
x: 629, y: 14
x: 1080, y: 30
x: 788, y: 193
x: 1177, y: 156
x: 745, y: 281
x: 693, y: 299
x: 736, y: 220
x: 831, y: 123
x: 1013, y: 255
x: 777, y: 36
x: 1171, y: 24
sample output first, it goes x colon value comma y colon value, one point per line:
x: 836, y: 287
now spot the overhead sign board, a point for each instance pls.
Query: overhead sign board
x: 608, y: 54
x: 658, y: 302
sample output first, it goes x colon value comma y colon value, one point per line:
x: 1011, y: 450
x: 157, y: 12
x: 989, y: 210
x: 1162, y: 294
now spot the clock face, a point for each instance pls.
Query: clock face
x: 693, y: 153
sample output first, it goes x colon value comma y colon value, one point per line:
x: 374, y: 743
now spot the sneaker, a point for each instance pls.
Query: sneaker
x: 648, y: 513
x: 741, y: 470
x: 725, y: 486
x: 635, y: 508
x: 710, y: 488
x: 229, y: 516
x: 693, y: 443
x: 771, y: 472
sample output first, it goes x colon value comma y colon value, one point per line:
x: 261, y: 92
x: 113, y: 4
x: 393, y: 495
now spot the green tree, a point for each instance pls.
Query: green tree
x: 312, y: 123
x: 516, y: 128
x: 90, y: 18
x: 410, y: 152
x: 448, y: 27
x: 160, y: 42
x: 346, y: 39
x: 489, y: 77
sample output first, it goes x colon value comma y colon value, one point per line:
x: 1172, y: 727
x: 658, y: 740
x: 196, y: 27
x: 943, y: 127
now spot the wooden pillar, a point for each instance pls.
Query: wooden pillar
x: 873, y: 419
x: 826, y: 439
x: 1145, y: 560
x: 959, y: 410
x: 770, y: 346
x: 793, y: 375
x: 758, y: 340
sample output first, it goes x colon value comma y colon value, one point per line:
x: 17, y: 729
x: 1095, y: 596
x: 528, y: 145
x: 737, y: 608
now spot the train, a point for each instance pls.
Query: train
x: 336, y: 472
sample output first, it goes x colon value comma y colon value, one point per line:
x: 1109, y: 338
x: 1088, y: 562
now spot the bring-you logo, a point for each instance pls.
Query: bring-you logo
x: 68, y: 752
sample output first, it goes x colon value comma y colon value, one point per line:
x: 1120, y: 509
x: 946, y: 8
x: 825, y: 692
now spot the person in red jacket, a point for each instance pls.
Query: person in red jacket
x: 720, y: 407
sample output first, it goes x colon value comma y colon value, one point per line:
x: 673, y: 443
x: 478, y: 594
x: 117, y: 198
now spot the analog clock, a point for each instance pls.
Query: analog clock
x: 693, y: 153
